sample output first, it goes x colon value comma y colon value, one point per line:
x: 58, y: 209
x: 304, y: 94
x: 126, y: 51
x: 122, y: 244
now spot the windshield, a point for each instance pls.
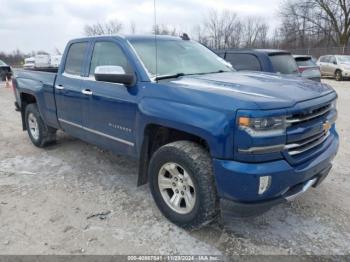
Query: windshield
x: 178, y: 57
x: 2, y: 63
x: 344, y: 59
x: 284, y: 64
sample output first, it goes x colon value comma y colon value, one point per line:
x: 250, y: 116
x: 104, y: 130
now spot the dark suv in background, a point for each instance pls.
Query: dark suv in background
x: 266, y: 60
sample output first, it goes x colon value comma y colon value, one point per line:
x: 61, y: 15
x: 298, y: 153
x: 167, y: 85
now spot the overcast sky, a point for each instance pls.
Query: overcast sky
x: 48, y: 24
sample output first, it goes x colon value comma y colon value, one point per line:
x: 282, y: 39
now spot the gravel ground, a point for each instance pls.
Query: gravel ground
x: 47, y: 198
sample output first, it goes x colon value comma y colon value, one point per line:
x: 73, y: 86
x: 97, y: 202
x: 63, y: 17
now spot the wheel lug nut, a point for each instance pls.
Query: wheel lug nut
x: 174, y: 184
x: 176, y: 191
x: 175, y: 179
x: 182, y: 193
x: 181, y: 181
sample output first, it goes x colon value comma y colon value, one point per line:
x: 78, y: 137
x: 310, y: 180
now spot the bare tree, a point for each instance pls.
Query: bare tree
x: 255, y: 32
x: 108, y: 28
x: 165, y: 30
x: 317, y: 21
x: 223, y: 29
x: 132, y: 27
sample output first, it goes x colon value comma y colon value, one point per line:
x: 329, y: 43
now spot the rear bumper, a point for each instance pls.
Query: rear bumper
x: 238, y: 183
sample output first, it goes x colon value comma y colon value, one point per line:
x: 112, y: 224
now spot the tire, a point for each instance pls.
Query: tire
x: 193, y: 163
x: 40, y: 134
x: 338, y: 75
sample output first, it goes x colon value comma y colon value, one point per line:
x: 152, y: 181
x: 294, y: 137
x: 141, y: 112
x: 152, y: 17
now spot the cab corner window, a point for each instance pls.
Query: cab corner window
x: 75, y: 58
x: 108, y: 54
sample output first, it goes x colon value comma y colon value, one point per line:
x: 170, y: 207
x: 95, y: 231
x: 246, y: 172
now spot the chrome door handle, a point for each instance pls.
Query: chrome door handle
x: 59, y: 87
x: 87, y: 92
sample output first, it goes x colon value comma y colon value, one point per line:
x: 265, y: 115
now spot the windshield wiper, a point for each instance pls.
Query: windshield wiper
x: 215, y: 72
x: 169, y: 76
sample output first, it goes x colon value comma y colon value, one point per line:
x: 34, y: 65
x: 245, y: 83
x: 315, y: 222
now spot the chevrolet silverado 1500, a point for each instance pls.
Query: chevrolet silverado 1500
x: 207, y: 138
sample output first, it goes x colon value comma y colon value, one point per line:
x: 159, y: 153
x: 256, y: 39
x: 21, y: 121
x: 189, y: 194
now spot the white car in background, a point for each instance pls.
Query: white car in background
x: 337, y: 66
x: 42, y: 61
x: 55, y: 60
x: 29, y: 63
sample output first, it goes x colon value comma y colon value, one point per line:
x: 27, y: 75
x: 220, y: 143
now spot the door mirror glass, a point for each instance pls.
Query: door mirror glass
x: 113, y: 74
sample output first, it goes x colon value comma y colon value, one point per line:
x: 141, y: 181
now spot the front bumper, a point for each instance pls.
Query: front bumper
x: 238, y: 182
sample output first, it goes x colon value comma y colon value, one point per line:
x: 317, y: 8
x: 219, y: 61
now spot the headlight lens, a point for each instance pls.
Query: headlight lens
x: 263, y: 126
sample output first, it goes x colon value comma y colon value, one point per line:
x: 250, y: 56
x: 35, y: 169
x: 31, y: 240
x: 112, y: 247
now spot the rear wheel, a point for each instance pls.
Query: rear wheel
x: 39, y: 133
x: 338, y: 75
x: 182, y: 184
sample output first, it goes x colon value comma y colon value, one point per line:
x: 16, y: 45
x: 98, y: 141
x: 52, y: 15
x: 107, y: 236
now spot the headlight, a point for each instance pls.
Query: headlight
x: 263, y: 126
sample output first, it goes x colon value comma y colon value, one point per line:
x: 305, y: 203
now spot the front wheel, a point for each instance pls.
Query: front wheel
x: 338, y: 75
x: 39, y: 133
x: 182, y: 184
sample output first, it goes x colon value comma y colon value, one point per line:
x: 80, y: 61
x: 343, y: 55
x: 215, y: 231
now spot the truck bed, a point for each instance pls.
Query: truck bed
x: 42, y: 85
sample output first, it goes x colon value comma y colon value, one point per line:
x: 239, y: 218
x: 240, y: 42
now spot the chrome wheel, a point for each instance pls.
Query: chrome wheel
x: 33, y: 126
x: 177, y: 188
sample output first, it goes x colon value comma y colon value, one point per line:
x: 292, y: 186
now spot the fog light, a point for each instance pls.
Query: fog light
x: 264, y: 184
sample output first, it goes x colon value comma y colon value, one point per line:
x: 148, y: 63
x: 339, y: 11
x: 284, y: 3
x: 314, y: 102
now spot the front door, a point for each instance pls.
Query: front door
x: 111, y: 108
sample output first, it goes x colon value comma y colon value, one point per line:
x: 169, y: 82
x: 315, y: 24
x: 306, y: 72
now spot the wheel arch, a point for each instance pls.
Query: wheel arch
x: 154, y: 137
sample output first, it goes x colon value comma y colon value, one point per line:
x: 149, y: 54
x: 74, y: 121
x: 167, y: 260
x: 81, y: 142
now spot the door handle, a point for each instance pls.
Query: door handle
x: 87, y: 92
x: 59, y: 87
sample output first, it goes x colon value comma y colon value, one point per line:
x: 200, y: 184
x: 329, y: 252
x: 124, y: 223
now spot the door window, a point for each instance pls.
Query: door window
x: 75, y: 58
x: 108, y: 54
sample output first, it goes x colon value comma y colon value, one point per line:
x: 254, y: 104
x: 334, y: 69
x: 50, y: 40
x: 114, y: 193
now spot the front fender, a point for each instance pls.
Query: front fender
x: 215, y: 127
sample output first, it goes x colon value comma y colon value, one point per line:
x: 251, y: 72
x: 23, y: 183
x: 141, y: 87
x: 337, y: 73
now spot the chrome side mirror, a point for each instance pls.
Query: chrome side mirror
x: 113, y: 74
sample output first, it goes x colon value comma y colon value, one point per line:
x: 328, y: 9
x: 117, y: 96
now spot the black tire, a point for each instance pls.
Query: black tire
x: 198, y: 164
x: 46, y: 134
x: 338, y: 75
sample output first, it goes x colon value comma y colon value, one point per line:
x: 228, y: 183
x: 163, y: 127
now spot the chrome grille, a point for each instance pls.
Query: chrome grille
x: 306, y: 144
x: 306, y: 119
x: 299, y: 118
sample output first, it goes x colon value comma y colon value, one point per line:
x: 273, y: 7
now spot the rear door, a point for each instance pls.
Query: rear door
x: 110, y: 107
x: 332, y: 66
x: 325, y: 66
x: 68, y: 87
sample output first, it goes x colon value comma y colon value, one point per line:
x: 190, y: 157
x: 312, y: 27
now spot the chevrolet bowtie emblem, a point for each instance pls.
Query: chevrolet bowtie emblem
x: 326, y: 126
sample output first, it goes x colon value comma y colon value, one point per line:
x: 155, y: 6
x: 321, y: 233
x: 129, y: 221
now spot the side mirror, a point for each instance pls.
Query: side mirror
x: 335, y: 62
x: 113, y: 74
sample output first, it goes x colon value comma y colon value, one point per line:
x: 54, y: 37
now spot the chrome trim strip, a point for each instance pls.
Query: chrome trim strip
x: 310, y: 140
x: 73, y: 76
x: 97, y: 132
x: 308, y: 184
x: 297, y: 120
x: 314, y: 144
x: 262, y: 149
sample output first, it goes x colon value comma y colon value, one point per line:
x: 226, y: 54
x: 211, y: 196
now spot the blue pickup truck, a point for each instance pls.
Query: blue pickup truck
x: 208, y: 140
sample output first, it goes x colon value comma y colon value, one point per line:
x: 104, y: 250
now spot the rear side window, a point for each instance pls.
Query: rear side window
x: 304, y: 61
x: 324, y: 59
x: 75, y: 58
x: 284, y: 64
x: 108, y: 54
x: 242, y: 62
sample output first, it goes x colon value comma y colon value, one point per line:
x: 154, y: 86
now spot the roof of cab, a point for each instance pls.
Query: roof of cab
x: 128, y: 37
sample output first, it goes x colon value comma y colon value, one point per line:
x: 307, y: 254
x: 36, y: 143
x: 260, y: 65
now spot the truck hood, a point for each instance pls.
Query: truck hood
x: 265, y: 90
